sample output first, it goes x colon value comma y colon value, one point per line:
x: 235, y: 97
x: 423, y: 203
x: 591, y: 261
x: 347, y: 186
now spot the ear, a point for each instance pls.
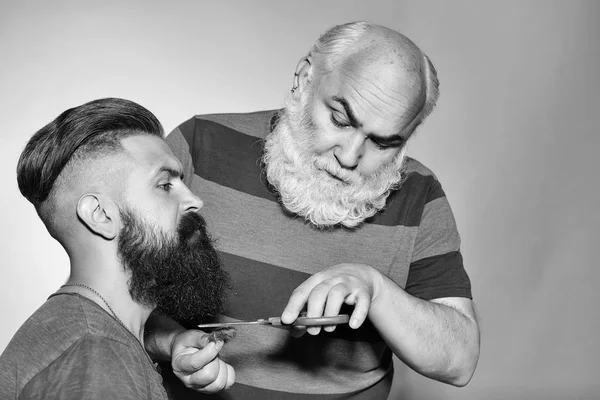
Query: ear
x: 98, y: 213
x: 303, y: 74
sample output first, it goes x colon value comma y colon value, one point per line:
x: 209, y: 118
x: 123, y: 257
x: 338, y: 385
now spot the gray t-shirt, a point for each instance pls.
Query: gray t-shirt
x: 70, y: 348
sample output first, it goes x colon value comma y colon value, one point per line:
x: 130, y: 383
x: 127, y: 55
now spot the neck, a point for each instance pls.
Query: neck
x: 113, y: 296
x: 99, y: 268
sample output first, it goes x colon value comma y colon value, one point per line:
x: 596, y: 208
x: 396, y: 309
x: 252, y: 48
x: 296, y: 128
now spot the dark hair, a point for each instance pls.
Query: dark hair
x: 91, y: 128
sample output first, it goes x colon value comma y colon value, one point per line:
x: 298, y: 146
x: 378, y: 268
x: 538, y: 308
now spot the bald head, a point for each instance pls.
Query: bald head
x: 385, y: 57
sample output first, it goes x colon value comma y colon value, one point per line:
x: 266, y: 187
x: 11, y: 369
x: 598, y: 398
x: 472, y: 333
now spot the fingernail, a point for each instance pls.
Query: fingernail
x: 287, y: 316
x: 219, y: 345
x: 354, y: 323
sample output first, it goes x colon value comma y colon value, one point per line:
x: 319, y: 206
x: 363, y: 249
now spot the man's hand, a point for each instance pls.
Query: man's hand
x: 196, y: 363
x: 326, y: 291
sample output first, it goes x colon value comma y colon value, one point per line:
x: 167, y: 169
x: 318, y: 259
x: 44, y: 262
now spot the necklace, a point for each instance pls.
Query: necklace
x: 102, y: 298
x: 154, y: 365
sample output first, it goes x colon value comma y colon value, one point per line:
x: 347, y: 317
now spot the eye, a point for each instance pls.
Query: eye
x: 166, y: 186
x: 338, y: 123
x: 380, y: 145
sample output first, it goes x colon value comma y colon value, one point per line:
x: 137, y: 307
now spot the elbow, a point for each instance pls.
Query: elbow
x: 465, y: 365
x: 457, y: 371
x: 463, y: 377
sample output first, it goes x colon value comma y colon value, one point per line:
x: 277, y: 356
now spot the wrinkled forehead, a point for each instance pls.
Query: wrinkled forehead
x: 384, y: 95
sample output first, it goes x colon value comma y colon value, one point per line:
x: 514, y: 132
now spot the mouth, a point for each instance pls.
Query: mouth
x: 336, y: 177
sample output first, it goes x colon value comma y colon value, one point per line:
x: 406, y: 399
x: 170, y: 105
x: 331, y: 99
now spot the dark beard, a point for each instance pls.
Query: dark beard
x: 180, y: 276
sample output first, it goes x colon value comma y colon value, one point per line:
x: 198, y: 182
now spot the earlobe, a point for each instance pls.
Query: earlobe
x: 303, y: 74
x: 95, y: 212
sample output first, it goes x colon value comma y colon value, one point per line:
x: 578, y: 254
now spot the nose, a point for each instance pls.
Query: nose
x: 350, y: 150
x: 191, y: 202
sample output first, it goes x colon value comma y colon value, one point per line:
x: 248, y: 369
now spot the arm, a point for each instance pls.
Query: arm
x: 159, y: 335
x: 435, y: 333
x: 438, y: 338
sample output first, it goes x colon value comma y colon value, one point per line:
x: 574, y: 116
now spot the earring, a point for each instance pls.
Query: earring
x: 295, y: 84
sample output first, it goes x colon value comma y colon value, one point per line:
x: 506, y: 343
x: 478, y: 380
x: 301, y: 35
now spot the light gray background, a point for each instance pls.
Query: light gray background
x: 513, y: 140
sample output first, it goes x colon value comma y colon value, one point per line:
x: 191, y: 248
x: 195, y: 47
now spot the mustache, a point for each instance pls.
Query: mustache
x: 192, y: 228
x: 334, y: 169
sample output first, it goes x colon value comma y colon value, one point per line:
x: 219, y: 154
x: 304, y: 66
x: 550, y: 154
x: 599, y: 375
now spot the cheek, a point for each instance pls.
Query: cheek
x: 374, y: 159
x: 324, y: 135
x: 163, y: 216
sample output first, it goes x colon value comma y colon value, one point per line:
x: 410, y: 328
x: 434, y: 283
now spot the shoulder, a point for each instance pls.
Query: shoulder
x: 94, y: 364
x: 405, y: 205
x: 413, y: 166
x: 59, y: 326
x: 421, y: 182
x: 256, y: 124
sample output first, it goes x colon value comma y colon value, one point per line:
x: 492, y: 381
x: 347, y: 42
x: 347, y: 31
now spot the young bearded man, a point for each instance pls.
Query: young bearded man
x: 110, y: 191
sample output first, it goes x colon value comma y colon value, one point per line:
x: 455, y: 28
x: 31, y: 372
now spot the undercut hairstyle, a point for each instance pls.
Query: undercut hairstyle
x: 332, y: 47
x: 80, y: 133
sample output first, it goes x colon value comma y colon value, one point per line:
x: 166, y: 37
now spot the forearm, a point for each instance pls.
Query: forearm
x: 158, y: 336
x: 437, y: 340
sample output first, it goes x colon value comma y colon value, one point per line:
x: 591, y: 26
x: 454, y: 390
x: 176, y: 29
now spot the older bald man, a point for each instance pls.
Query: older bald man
x: 316, y: 206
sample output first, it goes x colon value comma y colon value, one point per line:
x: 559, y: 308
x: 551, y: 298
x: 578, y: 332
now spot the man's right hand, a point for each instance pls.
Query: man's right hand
x: 196, y: 363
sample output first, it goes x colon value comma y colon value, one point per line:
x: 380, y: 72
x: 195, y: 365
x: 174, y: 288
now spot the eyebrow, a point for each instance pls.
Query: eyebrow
x: 393, y: 139
x: 173, y: 173
x: 351, y: 117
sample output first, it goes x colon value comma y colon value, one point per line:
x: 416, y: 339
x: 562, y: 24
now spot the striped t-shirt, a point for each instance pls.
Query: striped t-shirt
x: 269, y: 252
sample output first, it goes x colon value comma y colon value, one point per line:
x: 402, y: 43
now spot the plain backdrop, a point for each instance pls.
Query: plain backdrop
x: 514, y: 141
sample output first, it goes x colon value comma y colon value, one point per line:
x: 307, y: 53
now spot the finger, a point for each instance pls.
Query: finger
x: 190, y: 360
x: 362, y: 303
x: 188, y: 342
x: 335, y: 299
x: 299, y: 298
x: 214, y: 379
x: 316, y: 304
x: 230, y: 376
x: 297, y: 331
x: 295, y: 303
x: 203, y: 378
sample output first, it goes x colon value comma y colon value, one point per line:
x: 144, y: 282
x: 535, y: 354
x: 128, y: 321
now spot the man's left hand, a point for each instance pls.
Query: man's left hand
x: 196, y: 362
x: 326, y: 291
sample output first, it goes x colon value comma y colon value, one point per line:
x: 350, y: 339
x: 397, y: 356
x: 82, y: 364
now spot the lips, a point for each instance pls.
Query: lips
x: 335, y: 176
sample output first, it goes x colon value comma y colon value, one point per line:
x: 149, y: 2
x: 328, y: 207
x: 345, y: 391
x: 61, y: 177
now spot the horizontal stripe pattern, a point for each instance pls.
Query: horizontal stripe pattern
x: 232, y: 217
x: 268, y: 253
x: 437, y: 233
x: 439, y: 276
x: 257, y: 124
x: 254, y: 297
x: 227, y: 157
x: 233, y: 159
x: 260, y: 353
x: 177, y: 390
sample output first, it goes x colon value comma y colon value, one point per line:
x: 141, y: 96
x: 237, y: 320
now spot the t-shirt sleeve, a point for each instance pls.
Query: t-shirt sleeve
x: 93, y: 368
x: 436, y: 268
x: 178, y: 142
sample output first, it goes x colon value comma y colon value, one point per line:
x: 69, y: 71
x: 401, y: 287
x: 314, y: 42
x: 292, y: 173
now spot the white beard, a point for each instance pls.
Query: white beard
x: 302, y: 177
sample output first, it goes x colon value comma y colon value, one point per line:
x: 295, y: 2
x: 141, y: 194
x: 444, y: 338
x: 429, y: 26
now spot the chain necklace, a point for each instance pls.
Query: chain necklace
x: 102, y: 298
x: 154, y: 365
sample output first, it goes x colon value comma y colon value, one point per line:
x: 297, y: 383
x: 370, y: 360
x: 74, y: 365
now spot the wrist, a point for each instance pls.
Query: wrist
x: 380, y: 285
x: 160, y: 336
